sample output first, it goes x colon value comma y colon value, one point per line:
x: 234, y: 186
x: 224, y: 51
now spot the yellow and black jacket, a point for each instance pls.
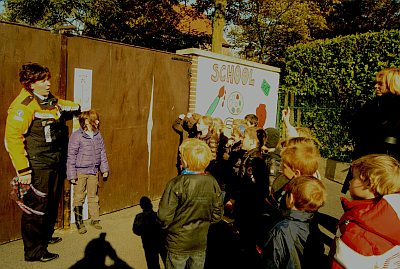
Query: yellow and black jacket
x: 33, y: 128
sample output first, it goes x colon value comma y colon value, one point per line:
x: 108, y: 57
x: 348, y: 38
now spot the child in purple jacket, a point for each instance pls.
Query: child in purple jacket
x: 86, y: 157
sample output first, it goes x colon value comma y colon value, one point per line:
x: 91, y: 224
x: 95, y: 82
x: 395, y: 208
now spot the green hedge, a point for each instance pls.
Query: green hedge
x: 331, y: 79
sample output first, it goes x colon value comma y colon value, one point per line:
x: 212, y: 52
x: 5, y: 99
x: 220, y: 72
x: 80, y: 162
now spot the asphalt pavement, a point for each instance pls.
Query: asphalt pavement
x: 118, y: 229
x: 127, y: 246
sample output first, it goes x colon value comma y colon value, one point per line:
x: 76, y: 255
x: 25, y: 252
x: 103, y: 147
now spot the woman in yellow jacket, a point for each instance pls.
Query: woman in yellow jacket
x: 36, y: 138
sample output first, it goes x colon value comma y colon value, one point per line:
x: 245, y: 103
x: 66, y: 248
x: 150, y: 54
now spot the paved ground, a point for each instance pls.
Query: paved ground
x: 118, y: 229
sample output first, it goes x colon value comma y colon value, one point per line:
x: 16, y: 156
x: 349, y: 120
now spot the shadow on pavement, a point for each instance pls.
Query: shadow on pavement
x: 96, y: 253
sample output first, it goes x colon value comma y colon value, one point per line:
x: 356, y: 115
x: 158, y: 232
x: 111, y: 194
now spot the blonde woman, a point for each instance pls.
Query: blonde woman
x: 376, y: 126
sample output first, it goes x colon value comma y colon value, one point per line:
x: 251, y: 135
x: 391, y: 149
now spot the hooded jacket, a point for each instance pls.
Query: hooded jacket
x: 368, y: 234
x: 294, y: 242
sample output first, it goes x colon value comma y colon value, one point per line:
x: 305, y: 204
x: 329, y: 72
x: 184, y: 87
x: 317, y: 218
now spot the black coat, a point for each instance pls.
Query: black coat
x: 376, y: 127
x: 253, y: 183
x: 190, y: 203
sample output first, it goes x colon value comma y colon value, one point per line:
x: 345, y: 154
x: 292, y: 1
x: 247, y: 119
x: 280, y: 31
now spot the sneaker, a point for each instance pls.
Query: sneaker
x: 96, y: 224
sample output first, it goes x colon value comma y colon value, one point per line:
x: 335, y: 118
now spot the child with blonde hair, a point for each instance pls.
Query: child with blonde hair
x: 293, y: 242
x: 207, y: 133
x: 368, y: 233
x: 299, y: 157
x: 190, y: 203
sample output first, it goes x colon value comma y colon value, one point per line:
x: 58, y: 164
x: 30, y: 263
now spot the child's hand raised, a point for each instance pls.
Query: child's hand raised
x: 286, y: 116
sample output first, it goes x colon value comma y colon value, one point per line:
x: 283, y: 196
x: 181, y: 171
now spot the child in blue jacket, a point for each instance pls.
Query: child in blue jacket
x: 294, y: 241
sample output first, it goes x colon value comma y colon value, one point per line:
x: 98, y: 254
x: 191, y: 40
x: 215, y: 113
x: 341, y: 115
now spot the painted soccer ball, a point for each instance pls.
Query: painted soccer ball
x: 235, y: 103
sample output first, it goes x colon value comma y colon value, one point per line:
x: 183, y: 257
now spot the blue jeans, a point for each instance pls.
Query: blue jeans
x: 193, y: 260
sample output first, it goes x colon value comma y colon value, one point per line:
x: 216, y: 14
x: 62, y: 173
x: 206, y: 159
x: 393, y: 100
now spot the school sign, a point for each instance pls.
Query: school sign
x: 229, y: 88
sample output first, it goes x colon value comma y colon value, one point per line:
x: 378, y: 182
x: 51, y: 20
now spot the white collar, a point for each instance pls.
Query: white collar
x: 41, y: 97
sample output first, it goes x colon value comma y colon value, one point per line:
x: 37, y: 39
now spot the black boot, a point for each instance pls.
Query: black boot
x: 79, y: 219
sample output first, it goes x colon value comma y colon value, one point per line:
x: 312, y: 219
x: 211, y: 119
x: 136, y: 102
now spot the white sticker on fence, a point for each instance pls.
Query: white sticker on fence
x: 83, y: 96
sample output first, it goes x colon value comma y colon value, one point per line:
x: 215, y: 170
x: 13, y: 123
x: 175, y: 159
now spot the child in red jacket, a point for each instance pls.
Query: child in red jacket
x: 369, y: 230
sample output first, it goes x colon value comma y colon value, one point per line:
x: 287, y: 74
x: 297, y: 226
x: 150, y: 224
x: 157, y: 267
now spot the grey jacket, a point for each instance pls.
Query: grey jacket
x: 189, y: 205
x: 86, y: 155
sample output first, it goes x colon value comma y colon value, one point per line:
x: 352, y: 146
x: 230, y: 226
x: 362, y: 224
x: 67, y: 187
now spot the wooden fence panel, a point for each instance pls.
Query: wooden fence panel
x: 128, y: 83
x: 171, y: 98
x: 124, y: 78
